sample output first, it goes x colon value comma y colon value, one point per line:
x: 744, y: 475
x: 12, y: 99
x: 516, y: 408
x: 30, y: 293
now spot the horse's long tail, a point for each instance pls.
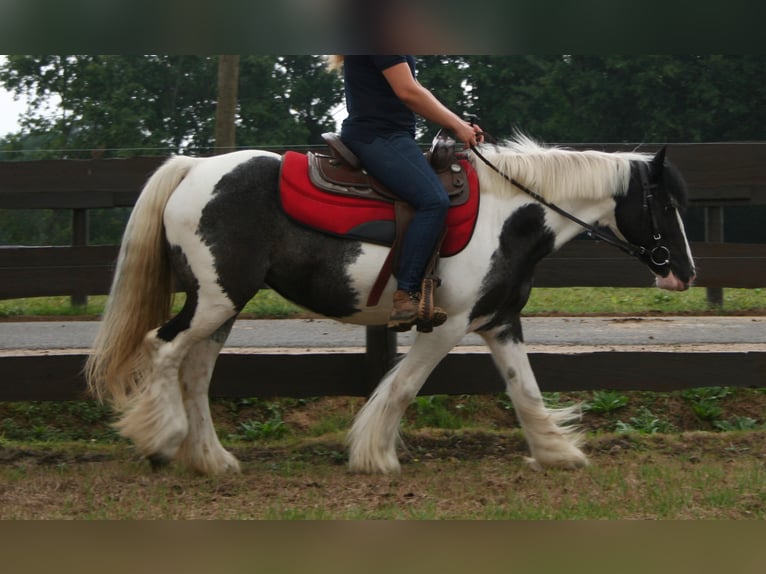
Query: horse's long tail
x: 141, y: 293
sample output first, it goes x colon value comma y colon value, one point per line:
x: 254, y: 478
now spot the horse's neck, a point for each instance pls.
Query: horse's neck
x: 495, y: 211
x: 592, y: 212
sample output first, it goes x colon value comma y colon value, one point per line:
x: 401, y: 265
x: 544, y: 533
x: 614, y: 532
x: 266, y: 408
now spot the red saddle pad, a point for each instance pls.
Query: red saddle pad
x: 361, y: 218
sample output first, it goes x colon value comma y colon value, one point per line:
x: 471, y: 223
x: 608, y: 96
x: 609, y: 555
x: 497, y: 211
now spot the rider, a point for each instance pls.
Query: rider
x: 383, y: 97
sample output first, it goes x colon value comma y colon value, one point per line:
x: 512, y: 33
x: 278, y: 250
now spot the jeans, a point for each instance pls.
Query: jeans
x: 399, y: 164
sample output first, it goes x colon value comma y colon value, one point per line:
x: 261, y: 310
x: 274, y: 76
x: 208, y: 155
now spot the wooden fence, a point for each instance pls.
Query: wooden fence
x: 718, y: 175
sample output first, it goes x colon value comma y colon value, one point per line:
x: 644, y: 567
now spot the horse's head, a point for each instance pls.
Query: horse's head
x: 648, y: 216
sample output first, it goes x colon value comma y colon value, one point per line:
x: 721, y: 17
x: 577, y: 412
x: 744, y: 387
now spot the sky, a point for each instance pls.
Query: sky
x: 10, y: 110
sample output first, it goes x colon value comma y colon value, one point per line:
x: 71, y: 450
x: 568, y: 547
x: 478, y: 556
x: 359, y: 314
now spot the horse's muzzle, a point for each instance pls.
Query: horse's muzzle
x: 673, y: 283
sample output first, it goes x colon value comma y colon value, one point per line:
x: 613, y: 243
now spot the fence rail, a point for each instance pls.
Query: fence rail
x: 58, y: 376
x: 718, y: 175
x: 46, y: 271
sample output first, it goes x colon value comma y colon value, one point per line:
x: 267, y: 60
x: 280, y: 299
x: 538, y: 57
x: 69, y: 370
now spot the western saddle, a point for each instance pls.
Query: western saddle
x: 341, y: 172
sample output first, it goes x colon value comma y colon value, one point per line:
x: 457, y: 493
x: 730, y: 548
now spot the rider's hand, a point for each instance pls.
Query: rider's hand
x: 468, y: 133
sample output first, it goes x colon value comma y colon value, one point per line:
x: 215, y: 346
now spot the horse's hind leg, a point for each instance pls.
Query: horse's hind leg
x: 551, y: 442
x: 156, y: 420
x: 201, y: 450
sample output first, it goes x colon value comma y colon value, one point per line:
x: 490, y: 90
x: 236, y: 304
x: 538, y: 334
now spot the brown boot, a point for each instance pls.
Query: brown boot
x: 405, y: 310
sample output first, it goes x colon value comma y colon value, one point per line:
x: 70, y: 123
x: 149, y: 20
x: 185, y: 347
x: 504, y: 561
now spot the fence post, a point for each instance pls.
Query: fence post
x: 714, y: 233
x: 380, y: 353
x: 79, y: 237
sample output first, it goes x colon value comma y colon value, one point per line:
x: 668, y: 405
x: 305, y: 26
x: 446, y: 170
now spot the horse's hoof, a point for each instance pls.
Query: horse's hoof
x: 158, y: 462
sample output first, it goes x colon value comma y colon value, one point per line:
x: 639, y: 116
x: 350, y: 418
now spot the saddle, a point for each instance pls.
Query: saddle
x: 341, y: 173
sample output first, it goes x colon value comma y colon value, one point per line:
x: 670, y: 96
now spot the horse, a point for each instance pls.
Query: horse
x: 214, y: 228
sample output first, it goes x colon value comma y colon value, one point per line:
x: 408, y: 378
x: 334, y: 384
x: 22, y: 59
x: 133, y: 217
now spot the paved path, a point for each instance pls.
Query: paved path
x: 323, y: 333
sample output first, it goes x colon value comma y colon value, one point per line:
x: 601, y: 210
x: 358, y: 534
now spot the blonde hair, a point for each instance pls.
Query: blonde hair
x: 335, y: 63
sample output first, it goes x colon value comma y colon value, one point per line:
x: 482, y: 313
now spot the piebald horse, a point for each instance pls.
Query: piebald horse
x: 215, y: 228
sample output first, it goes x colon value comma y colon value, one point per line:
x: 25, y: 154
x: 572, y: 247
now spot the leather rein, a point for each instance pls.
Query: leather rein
x: 659, y: 255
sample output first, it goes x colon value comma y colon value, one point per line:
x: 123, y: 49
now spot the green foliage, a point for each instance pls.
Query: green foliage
x: 707, y: 410
x: 35, y: 227
x: 126, y: 105
x: 706, y: 393
x: 736, y: 423
x: 610, y: 300
x: 434, y: 411
x: 606, y: 401
x: 268, y: 303
x: 645, y: 422
x: 642, y: 98
x: 704, y: 401
x: 572, y: 300
x: 261, y: 430
x: 130, y: 104
x: 271, y: 428
x: 42, y: 421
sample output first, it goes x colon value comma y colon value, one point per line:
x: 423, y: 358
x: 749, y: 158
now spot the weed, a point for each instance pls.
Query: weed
x: 606, y: 402
x: 704, y: 401
x: 707, y: 410
x: 47, y: 421
x: 272, y: 428
x: 433, y: 411
x: 645, y: 422
x: 331, y: 424
x: 252, y: 431
x: 706, y: 393
x: 736, y: 423
x: 554, y: 400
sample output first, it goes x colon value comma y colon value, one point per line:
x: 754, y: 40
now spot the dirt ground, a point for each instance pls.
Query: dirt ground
x: 445, y: 475
x: 690, y: 472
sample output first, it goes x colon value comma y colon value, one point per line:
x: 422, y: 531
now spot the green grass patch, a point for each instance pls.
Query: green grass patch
x: 54, y: 421
x: 564, y: 300
x: 612, y: 300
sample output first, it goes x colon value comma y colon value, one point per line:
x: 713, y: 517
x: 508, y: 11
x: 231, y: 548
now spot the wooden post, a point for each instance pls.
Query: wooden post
x: 79, y: 237
x: 380, y: 354
x: 226, y: 107
x: 714, y: 233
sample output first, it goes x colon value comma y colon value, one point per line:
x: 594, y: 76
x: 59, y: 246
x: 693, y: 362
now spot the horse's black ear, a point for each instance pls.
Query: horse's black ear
x: 658, y: 161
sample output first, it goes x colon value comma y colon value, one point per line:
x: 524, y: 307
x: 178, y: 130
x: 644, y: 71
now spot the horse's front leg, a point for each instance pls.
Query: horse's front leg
x: 374, y: 435
x: 551, y: 441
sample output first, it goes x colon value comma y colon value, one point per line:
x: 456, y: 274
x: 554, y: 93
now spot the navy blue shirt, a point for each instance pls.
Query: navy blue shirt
x: 373, y: 107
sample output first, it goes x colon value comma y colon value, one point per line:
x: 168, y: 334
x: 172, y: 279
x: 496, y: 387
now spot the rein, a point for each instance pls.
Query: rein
x: 659, y: 255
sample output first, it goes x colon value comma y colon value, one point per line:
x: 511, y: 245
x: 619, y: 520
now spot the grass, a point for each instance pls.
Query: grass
x: 464, y: 459
x: 280, y: 420
x: 681, y: 476
x: 613, y: 300
x: 569, y: 300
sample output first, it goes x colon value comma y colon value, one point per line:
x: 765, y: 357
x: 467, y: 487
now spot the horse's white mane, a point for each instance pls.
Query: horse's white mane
x: 555, y: 173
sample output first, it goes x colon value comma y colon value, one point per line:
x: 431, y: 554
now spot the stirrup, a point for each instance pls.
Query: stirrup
x: 429, y: 316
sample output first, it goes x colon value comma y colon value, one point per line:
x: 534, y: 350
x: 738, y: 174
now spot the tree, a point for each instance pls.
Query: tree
x: 116, y: 102
x: 226, y: 103
x: 290, y: 103
x: 131, y: 105
x: 651, y: 98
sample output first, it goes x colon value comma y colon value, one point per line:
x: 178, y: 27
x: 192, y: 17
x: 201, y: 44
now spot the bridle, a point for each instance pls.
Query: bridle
x: 658, y: 255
